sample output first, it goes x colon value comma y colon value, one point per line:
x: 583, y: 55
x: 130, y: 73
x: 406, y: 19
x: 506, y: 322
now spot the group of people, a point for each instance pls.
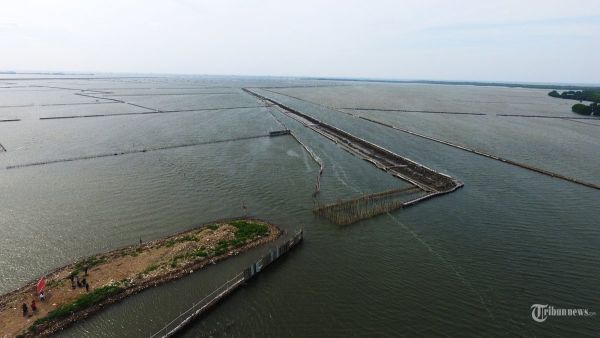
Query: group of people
x: 76, y: 282
x: 33, y: 305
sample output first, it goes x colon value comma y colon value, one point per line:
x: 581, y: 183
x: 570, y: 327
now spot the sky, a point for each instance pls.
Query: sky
x: 508, y: 40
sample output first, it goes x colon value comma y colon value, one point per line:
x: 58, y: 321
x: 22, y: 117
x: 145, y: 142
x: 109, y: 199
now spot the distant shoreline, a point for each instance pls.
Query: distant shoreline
x: 463, y: 83
x: 107, y: 76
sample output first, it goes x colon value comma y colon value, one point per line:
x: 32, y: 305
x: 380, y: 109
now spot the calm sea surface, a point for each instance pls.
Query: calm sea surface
x: 468, y: 264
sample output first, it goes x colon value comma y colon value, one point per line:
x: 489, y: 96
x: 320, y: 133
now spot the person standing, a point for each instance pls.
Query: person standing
x: 25, y: 310
x: 33, y: 306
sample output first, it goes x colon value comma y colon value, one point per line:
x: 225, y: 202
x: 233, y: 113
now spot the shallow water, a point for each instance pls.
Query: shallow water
x: 467, y: 264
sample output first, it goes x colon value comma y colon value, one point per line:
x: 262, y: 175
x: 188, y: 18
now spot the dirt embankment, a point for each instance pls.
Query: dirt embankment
x: 115, y: 275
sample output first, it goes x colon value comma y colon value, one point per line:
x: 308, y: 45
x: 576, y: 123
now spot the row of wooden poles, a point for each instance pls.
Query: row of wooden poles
x: 353, y: 210
x: 134, y: 151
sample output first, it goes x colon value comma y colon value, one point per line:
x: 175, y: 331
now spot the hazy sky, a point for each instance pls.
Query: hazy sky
x: 524, y: 40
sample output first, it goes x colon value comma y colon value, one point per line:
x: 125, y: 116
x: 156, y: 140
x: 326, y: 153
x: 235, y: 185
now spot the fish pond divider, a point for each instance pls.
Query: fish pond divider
x: 212, y: 299
x: 474, y: 151
x: 432, y: 182
x: 137, y: 151
x: 484, y: 154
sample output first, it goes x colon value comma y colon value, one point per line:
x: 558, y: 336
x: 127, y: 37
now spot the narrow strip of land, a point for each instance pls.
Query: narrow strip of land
x: 464, y: 113
x: 72, y: 104
x: 433, y: 183
x: 201, y: 307
x: 146, y: 112
x: 77, y: 78
x: 76, y: 89
x: 474, y: 151
x: 414, y: 111
x: 402, y: 167
x: 115, y: 100
x: 170, y: 94
x: 494, y: 157
x: 550, y: 117
x: 107, y: 89
x: 135, y: 151
x: 18, y: 106
x: 77, y: 290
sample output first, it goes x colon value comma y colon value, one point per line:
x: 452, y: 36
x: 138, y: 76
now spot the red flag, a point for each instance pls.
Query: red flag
x: 41, y: 284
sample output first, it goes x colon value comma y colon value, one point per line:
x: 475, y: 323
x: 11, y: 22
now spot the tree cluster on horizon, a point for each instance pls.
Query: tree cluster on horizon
x: 581, y: 95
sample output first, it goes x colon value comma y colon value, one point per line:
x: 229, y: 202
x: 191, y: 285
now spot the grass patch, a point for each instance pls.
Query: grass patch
x: 184, y: 256
x: 221, y: 247
x: 149, y: 269
x: 88, y: 262
x: 82, y: 302
x: 186, y: 238
x: 52, y: 283
x: 245, y: 231
x: 200, y: 253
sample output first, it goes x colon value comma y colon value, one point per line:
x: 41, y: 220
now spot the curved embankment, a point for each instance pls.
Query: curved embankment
x: 117, y: 274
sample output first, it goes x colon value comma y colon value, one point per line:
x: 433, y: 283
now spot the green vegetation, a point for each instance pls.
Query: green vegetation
x: 200, y: 253
x: 581, y: 95
x: 244, y: 232
x: 52, y: 283
x: 86, y: 263
x: 212, y: 226
x: 221, y: 247
x: 592, y: 109
x: 247, y: 230
x: 150, y: 268
x: 196, y: 254
x: 82, y: 302
x: 186, y: 238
